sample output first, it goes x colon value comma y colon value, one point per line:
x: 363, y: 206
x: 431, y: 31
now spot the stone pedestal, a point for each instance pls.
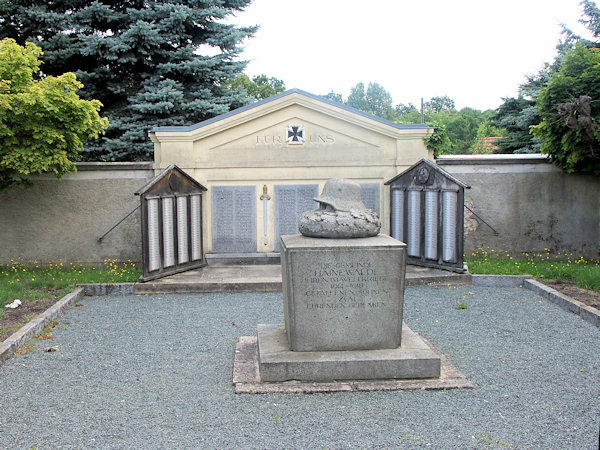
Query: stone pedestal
x: 343, y: 301
x: 413, y: 360
x: 343, y: 294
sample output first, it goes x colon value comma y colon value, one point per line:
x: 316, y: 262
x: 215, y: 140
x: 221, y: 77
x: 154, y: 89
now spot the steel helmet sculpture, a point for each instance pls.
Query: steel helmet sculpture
x: 341, y: 213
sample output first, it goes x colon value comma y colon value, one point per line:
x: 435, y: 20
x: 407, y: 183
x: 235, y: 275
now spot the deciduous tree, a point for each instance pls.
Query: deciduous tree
x: 569, y: 105
x: 519, y: 115
x: 150, y: 62
x: 259, y: 87
x: 43, y: 123
x: 374, y: 100
x: 438, y: 104
x: 336, y: 97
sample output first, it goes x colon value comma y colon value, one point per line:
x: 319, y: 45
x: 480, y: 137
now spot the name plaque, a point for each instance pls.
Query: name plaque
x: 234, y: 219
x: 291, y: 201
x: 370, y: 196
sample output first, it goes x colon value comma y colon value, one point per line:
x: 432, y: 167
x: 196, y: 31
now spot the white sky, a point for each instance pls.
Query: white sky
x: 474, y: 51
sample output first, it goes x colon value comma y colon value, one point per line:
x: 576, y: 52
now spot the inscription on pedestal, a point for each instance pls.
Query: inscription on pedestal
x: 343, y: 295
x: 291, y: 201
x: 234, y: 219
x: 345, y: 285
x: 370, y: 196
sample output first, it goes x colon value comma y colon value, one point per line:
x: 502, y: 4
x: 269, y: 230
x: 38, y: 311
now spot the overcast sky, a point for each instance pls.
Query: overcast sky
x: 475, y: 51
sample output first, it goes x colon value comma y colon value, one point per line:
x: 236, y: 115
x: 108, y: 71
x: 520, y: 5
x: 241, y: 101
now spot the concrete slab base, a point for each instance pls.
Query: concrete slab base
x: 266, y: 278
x: 247, y: 377
x: 412, y: 360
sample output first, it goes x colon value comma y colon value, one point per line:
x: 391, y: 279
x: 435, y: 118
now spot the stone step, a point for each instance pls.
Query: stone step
x: 266, y: 278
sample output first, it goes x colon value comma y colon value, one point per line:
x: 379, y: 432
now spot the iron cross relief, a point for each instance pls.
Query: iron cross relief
x: 295, y: 134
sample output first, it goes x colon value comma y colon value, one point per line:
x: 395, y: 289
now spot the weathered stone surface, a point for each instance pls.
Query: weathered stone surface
x: 413, y: 360
x: 343, y: 294
x: 341, y: 214
x: 371, y: 196
x: 234, y: 219
x: 291, y: 201
x: 246, y: 377
x: 339, y: 224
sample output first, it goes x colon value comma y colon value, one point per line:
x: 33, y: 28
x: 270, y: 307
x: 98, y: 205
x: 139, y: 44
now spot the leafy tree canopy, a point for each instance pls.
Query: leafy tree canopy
x: 487, y: 138
x: 403, y: 109
x: 438, y: 104
x: 151, y: 63
x: 374, y: 100
x: 455, y: 131
x: 569, y: 105
x: 332, y: 95
x: 516, y: 116
x: 462, y: 127
x: 43, y: 123
x: 259, y: 87
x: 521, y: 114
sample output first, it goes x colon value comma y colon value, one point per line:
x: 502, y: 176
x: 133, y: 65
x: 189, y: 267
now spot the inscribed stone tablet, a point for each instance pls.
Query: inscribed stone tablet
x: 291, y: 201
x: 370, y: 196
x: 343, y: 294
x: 234, y: 219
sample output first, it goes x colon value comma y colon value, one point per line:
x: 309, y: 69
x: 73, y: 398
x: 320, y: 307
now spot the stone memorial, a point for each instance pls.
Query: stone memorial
x: 341, y: 213
x: 343, y: 299
x: 342, y: 294
x: 291, y: 200
x: 234, y: 218
x: 370, y: 196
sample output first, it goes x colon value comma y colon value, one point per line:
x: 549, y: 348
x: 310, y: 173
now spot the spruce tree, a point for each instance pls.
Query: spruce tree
x: 150, y: 63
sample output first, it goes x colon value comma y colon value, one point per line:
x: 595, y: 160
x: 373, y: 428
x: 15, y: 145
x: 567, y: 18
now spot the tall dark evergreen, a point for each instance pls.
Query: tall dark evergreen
x: 150, y: 63
x: 518, y: 115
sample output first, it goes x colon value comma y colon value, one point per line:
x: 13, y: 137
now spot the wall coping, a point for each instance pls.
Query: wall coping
x: 514, y: 158
x: 134, y: 165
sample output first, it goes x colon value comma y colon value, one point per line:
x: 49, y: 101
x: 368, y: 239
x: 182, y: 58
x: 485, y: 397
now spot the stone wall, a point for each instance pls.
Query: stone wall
x: 530, y: 203
x: 61, y: 220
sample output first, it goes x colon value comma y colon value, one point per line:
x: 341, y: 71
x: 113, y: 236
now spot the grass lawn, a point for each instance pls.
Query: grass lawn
x: 585, y: 273
x: 39, y: 286
x: 29, y: 282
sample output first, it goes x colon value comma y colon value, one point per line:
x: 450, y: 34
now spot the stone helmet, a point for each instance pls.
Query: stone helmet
x: 342, y: 195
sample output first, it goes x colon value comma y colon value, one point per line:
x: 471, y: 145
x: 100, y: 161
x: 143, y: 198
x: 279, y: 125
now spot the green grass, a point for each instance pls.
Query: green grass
x: 585, y: 273
x: 31, y: 281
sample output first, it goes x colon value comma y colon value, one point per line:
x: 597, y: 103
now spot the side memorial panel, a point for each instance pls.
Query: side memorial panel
x: 234, y: 219
x: 291, y: 201
x: 370, y: 196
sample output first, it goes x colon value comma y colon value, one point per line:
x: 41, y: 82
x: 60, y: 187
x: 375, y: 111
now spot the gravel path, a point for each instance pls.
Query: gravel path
x: 155, y: 372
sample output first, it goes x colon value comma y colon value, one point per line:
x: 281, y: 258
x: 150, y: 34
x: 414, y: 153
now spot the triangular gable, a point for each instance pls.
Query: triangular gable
x: 171, y: 180
x: 283, y: 100
x: 433, y: 166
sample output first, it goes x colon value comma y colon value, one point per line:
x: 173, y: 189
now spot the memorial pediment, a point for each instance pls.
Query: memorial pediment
x: 264, y: 163
x: 287, y: 103
x: 297, y: 134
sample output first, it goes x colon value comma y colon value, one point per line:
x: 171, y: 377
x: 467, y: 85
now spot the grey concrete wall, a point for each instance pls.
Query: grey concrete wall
x: 61, y: 220
x: 531, y: 204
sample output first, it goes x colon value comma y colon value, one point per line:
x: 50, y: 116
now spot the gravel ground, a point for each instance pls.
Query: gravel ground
x: 155, y: 372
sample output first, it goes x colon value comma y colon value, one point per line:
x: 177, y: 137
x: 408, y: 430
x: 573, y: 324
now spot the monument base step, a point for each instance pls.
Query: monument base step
x: 412, y: 360
x: 248, y: 379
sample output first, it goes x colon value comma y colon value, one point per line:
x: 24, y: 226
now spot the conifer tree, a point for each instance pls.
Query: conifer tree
x: 150, y: 63
x: 521, y: 115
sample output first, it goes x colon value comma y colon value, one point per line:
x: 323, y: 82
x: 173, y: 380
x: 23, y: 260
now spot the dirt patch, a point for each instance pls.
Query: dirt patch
x: 14, y: 319
x: 590, y: 298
